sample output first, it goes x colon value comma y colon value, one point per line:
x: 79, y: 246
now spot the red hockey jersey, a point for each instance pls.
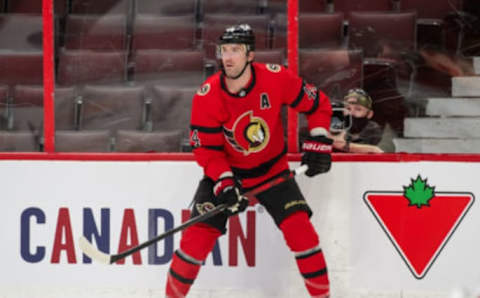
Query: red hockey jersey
x: 243, y: 132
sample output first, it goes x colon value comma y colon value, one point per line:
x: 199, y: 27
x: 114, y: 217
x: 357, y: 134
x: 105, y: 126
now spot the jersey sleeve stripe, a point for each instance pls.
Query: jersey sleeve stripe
x: 314, y: 106
x: 297, y: 101
x: 206, y: 129
x: 215, y: 148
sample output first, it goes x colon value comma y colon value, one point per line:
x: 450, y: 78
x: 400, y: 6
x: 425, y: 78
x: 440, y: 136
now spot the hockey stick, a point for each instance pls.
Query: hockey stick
x: 101, y: 257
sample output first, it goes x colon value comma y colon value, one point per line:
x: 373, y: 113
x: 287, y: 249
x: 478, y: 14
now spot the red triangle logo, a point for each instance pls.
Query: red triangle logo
x: 419, y: 233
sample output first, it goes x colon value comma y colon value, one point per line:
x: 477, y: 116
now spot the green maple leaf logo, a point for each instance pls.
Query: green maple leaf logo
x: 419, y: 193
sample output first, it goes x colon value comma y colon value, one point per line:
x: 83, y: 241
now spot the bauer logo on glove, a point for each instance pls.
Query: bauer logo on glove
x: 317, y: 154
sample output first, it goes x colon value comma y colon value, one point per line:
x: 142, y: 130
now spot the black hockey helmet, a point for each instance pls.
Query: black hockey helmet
x: 241, y: 34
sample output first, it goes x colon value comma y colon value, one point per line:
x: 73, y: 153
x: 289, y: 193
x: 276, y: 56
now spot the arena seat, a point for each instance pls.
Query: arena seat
x: 348, y: 6
x: 106, y: 32
x: 170, y: 108
x: 171, y: 8
x: 321, y: 30
x: 229, y: 6
x: 21, y: 67
x: 109, y: 107
x: 21, y: 32
x: 86, y: 66
x: 215, y: 24
x: 65, y: 108
x: 385, y: 34
x: 274, y: 56
x: 431, y: 9
x: 18, y: 141
x: 163, y: 32
x: 33, y: 7
x: 27, y: 107
x: 4, y: 90
x: 316, y: 30
x: 432, y: 30
x: 100, y: 7
x: 305, y: 6
x: 154, y: 141
x: 83, y: 141
x: 333, y: 71
x: 176, y: 67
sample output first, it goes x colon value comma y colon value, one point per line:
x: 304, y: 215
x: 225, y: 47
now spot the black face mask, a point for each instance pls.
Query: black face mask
x: 358, y: 124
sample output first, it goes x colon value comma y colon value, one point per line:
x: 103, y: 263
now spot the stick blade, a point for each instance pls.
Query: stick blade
x: 93, y: 253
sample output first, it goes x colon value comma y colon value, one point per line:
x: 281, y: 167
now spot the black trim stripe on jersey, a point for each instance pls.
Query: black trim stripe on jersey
x: 297, y: 101
x: 260, y: 170
x: 314, y: 107
x: 245, y: 91
x: 312, y: 253
x: 206, y: 129
x: 315, y: 274
x: 216, y: 148
x: 181, y: 278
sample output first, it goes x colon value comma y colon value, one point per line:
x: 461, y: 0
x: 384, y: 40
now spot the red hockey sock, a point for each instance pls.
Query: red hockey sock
x: 197, y: 242
x: 302, y: 239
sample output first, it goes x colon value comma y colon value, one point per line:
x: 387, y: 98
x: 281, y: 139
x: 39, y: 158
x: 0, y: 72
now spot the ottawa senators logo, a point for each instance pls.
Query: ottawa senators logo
x: 203, y: 90
x: 273, y: 67
x: 249, y: 134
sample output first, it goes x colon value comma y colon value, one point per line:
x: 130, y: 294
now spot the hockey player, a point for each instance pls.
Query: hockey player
x: 238, y: 138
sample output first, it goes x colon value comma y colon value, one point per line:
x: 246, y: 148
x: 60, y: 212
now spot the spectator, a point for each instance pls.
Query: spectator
x: 362, y: 134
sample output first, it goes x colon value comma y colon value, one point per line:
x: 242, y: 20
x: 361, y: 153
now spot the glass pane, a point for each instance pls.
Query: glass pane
x: 21, y: 77
x: 127, y: 70
x: 415, y: 61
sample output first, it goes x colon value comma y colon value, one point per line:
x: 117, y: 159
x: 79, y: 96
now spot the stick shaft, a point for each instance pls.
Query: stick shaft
x: 218, y: 209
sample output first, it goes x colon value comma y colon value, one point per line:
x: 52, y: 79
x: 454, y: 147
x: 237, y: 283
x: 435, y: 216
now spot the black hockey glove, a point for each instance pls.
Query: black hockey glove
x: 227, y: 193
x: 317, y: 154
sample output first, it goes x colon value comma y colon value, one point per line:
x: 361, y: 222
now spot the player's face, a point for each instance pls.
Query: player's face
x: 234, y: 57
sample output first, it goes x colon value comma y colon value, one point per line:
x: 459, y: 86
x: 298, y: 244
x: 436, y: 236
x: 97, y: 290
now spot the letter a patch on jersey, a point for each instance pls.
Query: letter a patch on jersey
x: 264, y: 102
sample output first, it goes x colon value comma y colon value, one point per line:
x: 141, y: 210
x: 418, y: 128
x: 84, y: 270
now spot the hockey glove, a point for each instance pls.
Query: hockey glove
x: 317, y: 154
x: 227, y: 193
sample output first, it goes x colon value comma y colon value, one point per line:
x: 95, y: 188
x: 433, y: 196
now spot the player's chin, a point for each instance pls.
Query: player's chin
x: 231, y: 73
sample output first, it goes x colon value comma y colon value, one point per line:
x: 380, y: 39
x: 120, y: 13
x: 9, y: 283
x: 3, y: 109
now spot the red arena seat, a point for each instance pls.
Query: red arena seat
x: 163, y: 32
x: 171, y: 8
x: 100, y: 7
x: 107, y: 32
x: 229, y: 6
x: 153, y: 141
x: 385, y: 34
x: 65, y: 108
x: 270, y: 56
x: 86, y: 66
x: 21, y: 32
x: 18, y: 141
x: 83, y: 141
x: 112, y: 108
x: 27, y: 107
x: 20, y: 67
x: 321, y: 30
x: 170, y: 107
x: 178, y: 67
x: 4, y: 90
x: 33, y: 7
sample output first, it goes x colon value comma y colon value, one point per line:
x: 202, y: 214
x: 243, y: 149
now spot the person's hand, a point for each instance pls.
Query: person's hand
x: 227, y: 193
x: 317, y: 154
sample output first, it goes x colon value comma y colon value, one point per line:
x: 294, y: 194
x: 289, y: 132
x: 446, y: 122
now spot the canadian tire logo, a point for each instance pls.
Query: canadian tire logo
x: 419, y: 221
